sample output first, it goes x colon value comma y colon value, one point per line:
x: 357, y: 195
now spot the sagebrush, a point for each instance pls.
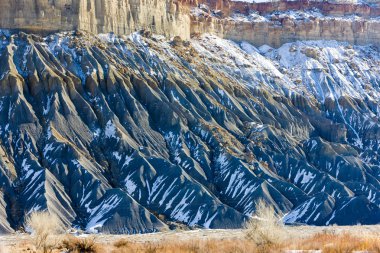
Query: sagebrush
x: 265, y: 228
x: 45, y: 228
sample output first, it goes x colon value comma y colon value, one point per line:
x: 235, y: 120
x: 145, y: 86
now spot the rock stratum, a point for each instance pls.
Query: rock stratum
x: 258, y: 23
x: 278, y: 28
x: 166, y: 17
x: 132, y: 134
x: 276, y: 23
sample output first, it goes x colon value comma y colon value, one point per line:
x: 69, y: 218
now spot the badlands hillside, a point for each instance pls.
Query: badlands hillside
x: 192, y: 120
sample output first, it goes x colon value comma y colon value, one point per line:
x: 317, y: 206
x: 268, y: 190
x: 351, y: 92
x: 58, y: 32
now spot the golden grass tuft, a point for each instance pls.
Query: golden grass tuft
x: 122, y: 243
x: 265, y: 228
x: 80, y: 245
x: 46, y: 228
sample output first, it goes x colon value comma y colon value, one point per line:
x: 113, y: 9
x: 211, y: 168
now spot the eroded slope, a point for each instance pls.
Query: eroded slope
x: 130, y: 134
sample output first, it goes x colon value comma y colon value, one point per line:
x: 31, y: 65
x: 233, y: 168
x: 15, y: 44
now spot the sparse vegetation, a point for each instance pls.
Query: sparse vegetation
x: 80, y: 245
x: 122, y: 243
x: 324, y: 240
x: 265, y: 228
x: 45, y: 228
x: 193, y: 246
x: 326, y: 243
x: 337, y: 243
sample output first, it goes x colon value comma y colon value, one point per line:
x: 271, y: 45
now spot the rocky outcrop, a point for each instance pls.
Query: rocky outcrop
x: 139, y: 134
x: 39, y: 15
x: 339, y: 8
x: 165, y: 17
x: 172, y: 18
x: 285, y: 28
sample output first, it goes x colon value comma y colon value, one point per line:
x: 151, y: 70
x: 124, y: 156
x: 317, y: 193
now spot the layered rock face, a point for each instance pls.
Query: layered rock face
x: 97, y: 16
x: 278, y: 28
x: 171, y: 18
x: 164, y: 17
x: 331, y: 8
x: 38, y: 15
x: 134, y: 134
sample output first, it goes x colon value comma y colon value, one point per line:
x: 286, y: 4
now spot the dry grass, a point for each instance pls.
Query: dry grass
x: 122, y: 243
x: 80, y: 245
x: 263, y: 234
x: 195, y: 246
x: 45, y: 228
x: 265, y: 229
x: 337, y: 243
x: 325, y: 242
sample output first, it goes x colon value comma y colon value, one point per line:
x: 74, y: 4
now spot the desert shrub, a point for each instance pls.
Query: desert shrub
x: 124, y: 246
x: 45, y: 228
x: 122, y: 243
x: 80, y: 245
x: 265, y: 228
x: 153, y: 248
